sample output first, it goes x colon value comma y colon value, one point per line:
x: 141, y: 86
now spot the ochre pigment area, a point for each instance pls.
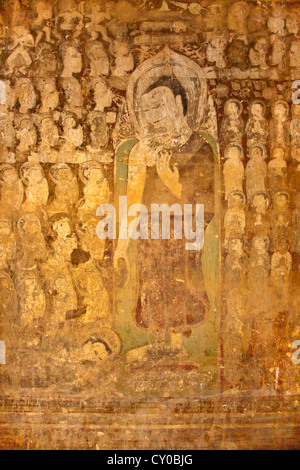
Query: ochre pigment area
x: 118, y: 331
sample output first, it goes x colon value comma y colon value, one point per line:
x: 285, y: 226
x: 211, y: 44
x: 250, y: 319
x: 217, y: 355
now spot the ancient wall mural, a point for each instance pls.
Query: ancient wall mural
x: 133, y: 104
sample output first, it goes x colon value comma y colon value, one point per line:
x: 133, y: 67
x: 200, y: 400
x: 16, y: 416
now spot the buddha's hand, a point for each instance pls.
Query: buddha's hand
x: 168, y: 176
x: 121, y: 262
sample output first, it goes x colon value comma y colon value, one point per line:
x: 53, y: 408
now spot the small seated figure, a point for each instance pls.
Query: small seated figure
x: 73, y: 96
x: 49, y: 137
x: 47, y: 66
x: 7, y: 136
x: 63, y: 298
x: 292, y: 24
x: 280, y: 125
x: 276, y: 26
x: 96, y: 190
x: 296, y: 156
x: 295, y: 126
x: 233, y: 170
x: 37, y: 190
x: 256, y: 171
x: 235, y: 218
x: 258, y: 55
x: 237, y: 18
x: 99, y: 132
x: 32, y: 301
x: 26, y: 135
x: 102, y: 96
x: 31, y: 242
x: 65, y: 242
x: 68, y: 19
x: 72, y: 139
x: 257, y: 19
x: 259, y: 271
x: 66, y: 193
x: 277, y: 170
x: 294, y: 58
x: 25, y: 95
x: 257, y: 126
x: 259, y: 217
x: 20, y: 58
x: 99, y: 62
x: 124, y: 61
x: 89, y: 284
x: 235, y: 264
x: 281, y: 267
x: 238, y: 57
x: 232, y: 125
x: 7, y: 244
x: 281, y: 215
x: 57, y: 271
x: 215, y: 51
x: 12, y: 189
x: 42, y: 23
x: 49, y: 95
x: 86, y: 230
x: 93, y: 11
x: 296, y: 227
x: 72, y: 62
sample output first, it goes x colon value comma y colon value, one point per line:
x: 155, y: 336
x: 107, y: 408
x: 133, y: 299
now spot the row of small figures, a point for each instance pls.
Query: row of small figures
x: 33, y: 184
x: 281, y: 130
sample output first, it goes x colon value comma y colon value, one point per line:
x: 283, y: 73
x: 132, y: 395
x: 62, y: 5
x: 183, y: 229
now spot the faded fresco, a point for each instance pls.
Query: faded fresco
x: 142, y: 103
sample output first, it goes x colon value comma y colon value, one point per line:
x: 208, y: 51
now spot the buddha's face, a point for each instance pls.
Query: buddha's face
x: 160, y: 110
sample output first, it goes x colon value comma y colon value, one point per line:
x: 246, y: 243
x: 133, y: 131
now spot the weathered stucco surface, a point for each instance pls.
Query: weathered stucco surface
x: 132, y: 344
